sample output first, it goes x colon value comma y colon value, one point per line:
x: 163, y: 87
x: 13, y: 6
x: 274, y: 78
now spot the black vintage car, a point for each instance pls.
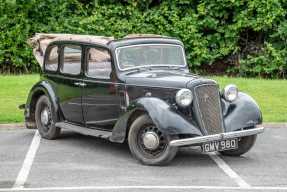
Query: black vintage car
x: 136, y: 89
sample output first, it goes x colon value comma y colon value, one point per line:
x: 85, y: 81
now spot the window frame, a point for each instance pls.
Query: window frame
x: 149, y: 44
x: 62, y: 59
x: 86, y: 63
x: 47, y: 55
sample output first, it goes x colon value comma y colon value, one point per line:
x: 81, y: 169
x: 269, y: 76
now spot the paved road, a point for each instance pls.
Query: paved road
x: 81, y: 163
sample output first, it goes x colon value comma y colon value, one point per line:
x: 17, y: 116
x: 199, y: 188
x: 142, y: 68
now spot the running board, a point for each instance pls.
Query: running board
x: 85, y: 130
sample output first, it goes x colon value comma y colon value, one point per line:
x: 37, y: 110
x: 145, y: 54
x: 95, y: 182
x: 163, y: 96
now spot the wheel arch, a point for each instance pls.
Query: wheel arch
x: 161, y: 113
x: 134, y: 115
x: 39, y: 89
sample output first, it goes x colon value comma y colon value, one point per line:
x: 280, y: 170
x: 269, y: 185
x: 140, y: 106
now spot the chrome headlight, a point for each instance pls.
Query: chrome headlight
x: 230, y: 93
x: 183, y: 97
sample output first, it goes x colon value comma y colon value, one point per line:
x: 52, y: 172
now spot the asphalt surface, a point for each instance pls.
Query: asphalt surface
x: 81, y: 163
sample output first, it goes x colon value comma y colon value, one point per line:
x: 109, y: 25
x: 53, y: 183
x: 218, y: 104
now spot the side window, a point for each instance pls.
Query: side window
x: 99, y: 63
x: 51, y: 63
x: 72, y: 59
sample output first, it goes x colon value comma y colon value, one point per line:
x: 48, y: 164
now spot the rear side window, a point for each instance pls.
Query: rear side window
x: 72, y: 59
x: 51, y: 63
x: 99, y: 63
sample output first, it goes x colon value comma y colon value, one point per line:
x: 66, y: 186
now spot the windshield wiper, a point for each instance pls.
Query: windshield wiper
x: 139, y: 69
x: 176, y: 67
x: 149, y: 68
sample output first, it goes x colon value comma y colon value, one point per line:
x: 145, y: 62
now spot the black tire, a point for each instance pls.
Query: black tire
x: 47, y: 130
x: 244, y: 145
x: 162, y: 155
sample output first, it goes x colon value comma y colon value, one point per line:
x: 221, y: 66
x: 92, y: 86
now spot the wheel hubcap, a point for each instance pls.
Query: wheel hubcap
x: 45, y: 116
x: 151, y: 140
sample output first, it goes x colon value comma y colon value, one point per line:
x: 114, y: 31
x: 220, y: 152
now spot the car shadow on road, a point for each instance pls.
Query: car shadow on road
x: 6, y: 184
x: 186, y: 156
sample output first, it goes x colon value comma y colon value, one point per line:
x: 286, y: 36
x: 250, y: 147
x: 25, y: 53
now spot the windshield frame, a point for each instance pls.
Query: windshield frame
x: 148, y: 44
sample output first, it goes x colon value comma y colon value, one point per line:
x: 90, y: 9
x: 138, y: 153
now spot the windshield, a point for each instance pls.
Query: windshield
x: 150, y: 55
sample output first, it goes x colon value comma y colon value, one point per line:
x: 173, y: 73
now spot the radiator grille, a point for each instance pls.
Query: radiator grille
x: 209, y: 108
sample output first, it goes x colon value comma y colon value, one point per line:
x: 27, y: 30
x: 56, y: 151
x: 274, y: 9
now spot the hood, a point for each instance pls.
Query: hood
x: 160, y: 78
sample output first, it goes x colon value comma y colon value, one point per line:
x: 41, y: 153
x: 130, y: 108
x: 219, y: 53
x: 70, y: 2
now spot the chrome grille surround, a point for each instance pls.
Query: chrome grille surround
x: 208, y: 108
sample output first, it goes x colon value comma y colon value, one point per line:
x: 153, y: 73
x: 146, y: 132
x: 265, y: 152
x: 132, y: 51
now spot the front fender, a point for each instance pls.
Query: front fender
x: 242, y: 113
x: 164, y: 117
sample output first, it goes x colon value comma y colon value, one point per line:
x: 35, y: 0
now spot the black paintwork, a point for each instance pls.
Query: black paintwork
x: 111, y: 104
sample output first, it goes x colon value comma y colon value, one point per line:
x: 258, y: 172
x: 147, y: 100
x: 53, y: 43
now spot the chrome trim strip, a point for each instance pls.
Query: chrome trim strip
x: 106, y: 82
x: 102, y: 121
x: 91, y: 104
x: 127, y: 98
x: 216, y: 137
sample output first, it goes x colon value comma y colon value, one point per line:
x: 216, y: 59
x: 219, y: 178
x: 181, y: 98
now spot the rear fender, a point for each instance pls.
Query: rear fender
x: 167, y: 120
x: 40, y: 88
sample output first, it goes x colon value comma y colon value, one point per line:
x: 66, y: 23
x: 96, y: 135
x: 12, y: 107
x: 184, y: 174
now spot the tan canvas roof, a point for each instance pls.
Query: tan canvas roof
x: 40, y: 42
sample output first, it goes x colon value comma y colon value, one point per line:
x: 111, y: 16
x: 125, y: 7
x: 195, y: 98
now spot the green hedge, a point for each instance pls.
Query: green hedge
x: 238, y: 37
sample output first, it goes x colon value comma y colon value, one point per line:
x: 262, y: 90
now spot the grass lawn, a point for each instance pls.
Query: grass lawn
x: 271, y: 95
x: 13, y: 92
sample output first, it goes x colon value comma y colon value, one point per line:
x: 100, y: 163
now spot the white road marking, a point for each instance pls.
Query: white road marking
x: 27, y: 164
x: 151, y: 187
x: 228, y: 171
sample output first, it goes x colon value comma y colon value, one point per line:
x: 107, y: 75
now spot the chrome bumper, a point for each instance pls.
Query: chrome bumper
x: 216, y: 137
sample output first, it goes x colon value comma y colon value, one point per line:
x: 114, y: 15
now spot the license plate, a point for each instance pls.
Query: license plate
x: 220, y: 145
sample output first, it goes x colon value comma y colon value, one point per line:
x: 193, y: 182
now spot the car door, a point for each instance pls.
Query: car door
x: 101, y: 102
x: 70, y: 84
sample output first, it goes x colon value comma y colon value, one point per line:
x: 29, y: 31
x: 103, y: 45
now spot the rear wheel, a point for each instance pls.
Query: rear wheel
x: 45, y: 119
x: 148, y: 144
x: 244, y: 145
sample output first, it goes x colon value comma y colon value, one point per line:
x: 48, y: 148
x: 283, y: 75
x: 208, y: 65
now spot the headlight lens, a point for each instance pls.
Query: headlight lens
x: 230, y: 93
x: 183, y: 97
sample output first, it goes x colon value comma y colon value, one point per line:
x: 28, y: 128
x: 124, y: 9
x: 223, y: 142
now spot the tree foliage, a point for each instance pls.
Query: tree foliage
x: 239, y: 37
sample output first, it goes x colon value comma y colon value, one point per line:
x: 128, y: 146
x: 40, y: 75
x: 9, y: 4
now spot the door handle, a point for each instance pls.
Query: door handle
x: 80, y: 84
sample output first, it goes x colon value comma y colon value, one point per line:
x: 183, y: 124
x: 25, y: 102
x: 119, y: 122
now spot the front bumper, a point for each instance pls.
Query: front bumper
x: 216, y: 137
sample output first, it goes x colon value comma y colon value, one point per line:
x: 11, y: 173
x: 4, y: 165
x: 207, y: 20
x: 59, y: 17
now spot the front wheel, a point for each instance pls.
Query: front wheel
x: 45, y: 119
x: 148, y: 144
x: 244, y: 145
